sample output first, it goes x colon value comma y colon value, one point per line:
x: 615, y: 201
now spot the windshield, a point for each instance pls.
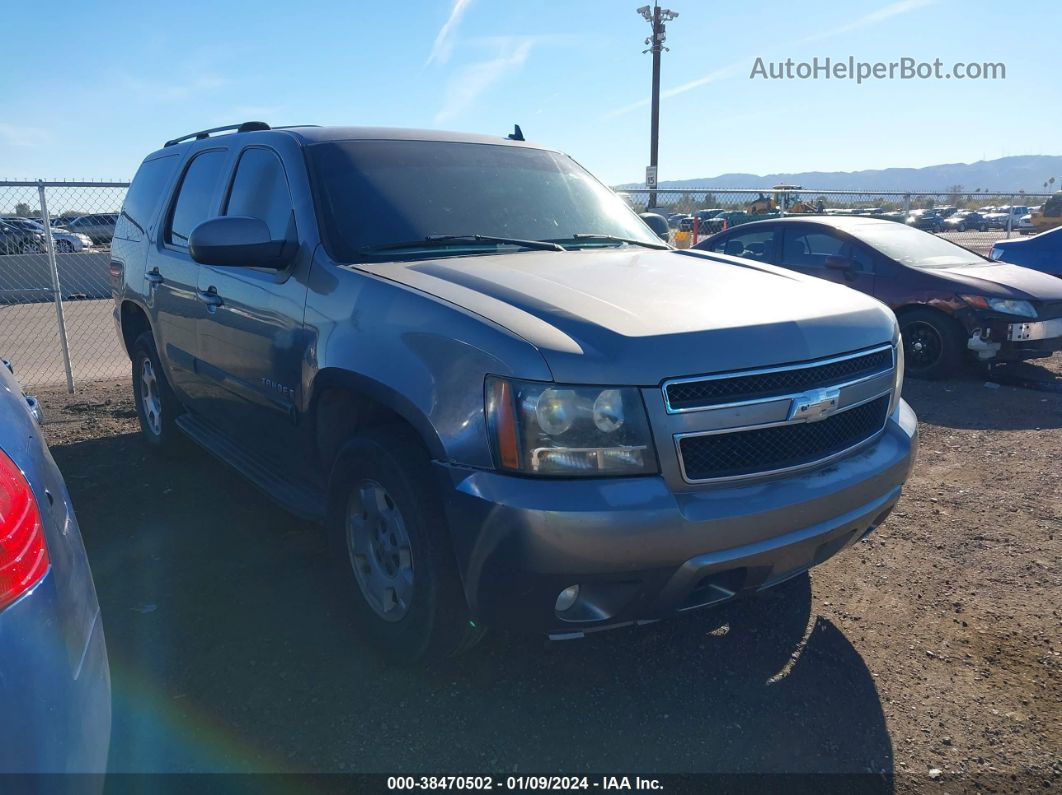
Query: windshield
x: 915, y: 248
x: 374, y: 194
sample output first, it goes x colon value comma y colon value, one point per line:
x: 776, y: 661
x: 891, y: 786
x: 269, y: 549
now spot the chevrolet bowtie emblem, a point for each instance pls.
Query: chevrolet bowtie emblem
x: 814, y: 405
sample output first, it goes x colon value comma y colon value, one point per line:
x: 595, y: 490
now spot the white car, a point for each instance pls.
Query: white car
x: 66, y: 242
x: 1025, y: 225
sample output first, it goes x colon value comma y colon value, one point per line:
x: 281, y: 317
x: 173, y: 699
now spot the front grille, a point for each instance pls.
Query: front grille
x: 696, y: 394
x: 725, y: 455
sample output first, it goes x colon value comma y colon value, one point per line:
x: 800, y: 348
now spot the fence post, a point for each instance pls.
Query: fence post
x: 57, y: 295
x: 1010, y: 221
x: 906, y: 204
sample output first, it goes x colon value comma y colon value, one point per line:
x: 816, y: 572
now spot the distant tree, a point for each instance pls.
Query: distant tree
x: 22, y: 209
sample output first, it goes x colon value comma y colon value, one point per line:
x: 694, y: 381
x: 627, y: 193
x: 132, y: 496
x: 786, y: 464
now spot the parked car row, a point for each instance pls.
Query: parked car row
x: 66, y: 242
x: 15, y: 240
x: 23, y: 235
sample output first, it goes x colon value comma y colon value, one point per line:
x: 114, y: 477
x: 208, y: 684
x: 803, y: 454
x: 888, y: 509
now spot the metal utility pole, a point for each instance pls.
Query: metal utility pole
x: 656, y: 17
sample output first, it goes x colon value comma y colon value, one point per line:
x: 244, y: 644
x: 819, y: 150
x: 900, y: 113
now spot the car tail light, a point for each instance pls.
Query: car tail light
x: 23, y: 553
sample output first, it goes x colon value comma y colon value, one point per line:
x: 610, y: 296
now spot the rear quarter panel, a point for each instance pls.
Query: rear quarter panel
x: 54, y: 677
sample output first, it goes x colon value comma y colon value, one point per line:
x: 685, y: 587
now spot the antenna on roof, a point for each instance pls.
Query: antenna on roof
x: 517, y: 134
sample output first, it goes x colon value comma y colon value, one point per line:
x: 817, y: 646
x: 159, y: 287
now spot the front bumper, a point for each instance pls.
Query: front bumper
x: 640, y: 551
x: 1035, y: 330
x: 1000, y: 339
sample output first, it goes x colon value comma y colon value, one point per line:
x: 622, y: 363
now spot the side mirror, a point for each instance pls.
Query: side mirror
x: 837, y: 263
x: 238, y: 241
x: 657, y: 223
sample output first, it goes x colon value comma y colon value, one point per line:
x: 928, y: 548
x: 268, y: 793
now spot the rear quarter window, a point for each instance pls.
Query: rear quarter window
x: 143, y: 197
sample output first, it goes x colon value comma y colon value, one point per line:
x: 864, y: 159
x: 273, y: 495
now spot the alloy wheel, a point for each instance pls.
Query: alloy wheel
x: 923, y: 346
x: 380, y: 551
x: 150, y: 399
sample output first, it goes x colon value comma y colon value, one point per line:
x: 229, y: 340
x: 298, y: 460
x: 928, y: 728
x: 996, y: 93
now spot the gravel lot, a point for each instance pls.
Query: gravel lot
x: 931, y: 651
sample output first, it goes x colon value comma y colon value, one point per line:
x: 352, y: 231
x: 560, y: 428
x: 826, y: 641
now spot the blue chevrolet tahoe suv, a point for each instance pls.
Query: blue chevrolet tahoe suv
x: 509, y: 402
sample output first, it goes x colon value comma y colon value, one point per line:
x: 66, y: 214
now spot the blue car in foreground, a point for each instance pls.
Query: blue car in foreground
x: 1042, y: 252
x: 55, y: 688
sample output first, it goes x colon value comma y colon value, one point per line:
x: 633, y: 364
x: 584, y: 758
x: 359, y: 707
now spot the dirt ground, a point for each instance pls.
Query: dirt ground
x: 929, y: 653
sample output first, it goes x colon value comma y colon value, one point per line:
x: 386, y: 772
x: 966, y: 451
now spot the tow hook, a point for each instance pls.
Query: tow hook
x: 980, y: 343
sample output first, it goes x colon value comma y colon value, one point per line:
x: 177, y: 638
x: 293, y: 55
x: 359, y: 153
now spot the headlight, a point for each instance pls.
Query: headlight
x: 1006, y: 306
x: 553, y: 429
x: 897, y: 381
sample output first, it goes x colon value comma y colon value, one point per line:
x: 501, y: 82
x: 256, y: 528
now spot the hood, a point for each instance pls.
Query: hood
x: 1002, y: 281
x: 636, y: 316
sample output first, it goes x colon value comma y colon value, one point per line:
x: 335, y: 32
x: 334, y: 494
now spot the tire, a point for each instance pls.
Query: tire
x: 961, y: 228
x: 392, y: 550
x: 932, y: 344
x: 64, y: 247
x: 156, y: 405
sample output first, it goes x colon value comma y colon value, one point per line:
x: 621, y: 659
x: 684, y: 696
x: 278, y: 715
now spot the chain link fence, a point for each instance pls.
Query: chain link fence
x: 55, y: 295
x: 973, y: 220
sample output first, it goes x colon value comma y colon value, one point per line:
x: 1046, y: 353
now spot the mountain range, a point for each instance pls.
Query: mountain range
x: 1026, y: 173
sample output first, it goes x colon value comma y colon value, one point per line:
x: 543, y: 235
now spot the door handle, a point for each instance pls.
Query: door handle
x: 210, y: 297
x: 154, y: 277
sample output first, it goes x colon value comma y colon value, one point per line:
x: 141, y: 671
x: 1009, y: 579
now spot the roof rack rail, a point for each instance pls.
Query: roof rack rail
x: 247, y: 126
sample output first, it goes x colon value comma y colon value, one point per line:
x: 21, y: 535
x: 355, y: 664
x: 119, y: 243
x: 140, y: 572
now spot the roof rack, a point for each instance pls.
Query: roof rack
x: 247, y: 126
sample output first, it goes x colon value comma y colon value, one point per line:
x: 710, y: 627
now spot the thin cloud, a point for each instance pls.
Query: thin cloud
x: 240, y: 113
x: 711, y: 77
x: 470, y: 82
x: 170, y: 91
x: 19, y: 135
x: 871, y: 19
x: 443, y: 46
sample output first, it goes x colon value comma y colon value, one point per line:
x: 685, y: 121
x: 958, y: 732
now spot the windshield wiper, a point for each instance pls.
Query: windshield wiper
x: 432, y: 241
x: 614, y: 239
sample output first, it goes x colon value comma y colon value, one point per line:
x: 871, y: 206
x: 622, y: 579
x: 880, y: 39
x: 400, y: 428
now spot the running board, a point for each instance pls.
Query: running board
x: 302, y: 500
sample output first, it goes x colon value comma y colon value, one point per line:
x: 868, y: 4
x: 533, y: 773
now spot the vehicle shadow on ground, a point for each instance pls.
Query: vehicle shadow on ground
x: 972, y: 401
x: 230, y: 652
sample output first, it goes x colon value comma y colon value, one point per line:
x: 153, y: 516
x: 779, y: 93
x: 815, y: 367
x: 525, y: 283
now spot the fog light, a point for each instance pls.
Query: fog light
x: 567, y: 597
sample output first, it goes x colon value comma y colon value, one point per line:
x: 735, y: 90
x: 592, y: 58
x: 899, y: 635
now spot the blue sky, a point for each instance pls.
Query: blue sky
x: 91, y: 87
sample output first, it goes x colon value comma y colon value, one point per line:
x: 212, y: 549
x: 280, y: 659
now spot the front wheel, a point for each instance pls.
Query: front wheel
x: 931, y: 344
x: 961, y: 228
x: 392, y: 549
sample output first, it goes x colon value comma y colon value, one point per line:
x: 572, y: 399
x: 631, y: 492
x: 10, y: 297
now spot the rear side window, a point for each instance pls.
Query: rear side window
x: 260, y: 190
x: 754, y: 244
x: 810, y: 249
x: 142, y: 199
x: 195, y: 197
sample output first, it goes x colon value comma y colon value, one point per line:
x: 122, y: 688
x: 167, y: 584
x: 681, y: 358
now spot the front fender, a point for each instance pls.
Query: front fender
x: 423, y: 358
